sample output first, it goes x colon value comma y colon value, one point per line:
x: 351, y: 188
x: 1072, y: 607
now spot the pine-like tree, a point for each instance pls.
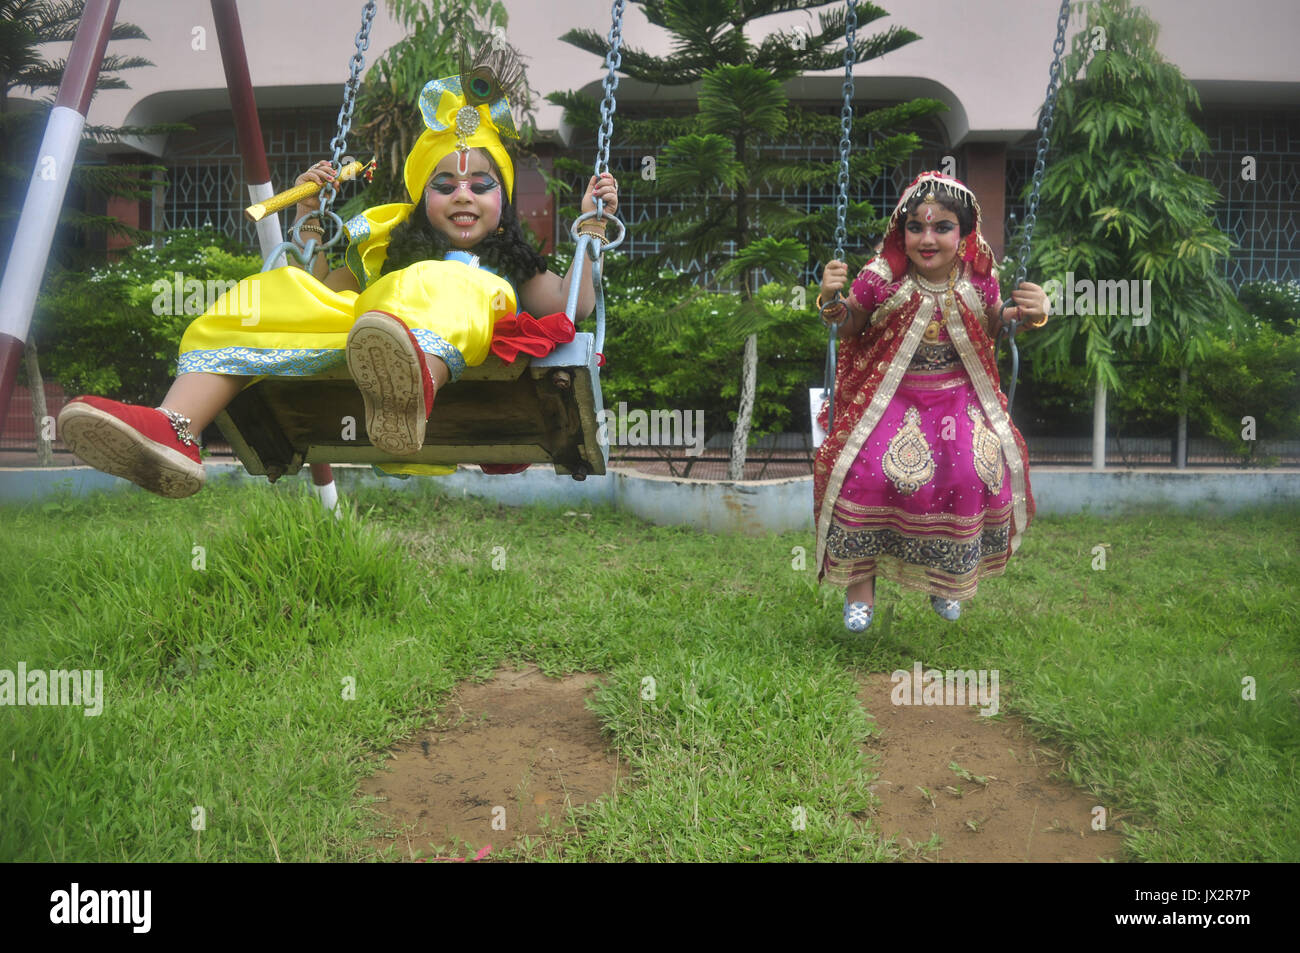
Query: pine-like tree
x: 1119, y: 206
x: 721, y: 159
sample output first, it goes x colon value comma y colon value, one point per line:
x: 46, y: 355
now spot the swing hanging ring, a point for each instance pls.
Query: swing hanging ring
x: 294, y: 229
x: 605, y: 243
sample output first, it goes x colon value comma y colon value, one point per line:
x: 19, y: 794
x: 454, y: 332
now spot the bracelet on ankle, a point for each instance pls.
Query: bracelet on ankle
x: 181, y: 424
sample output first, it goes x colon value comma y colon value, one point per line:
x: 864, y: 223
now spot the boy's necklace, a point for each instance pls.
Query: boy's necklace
x: 935, y: 290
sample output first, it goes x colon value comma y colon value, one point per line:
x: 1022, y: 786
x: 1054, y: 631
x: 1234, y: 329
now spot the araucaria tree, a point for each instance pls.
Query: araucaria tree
x: 722, y: 164
x: 1121, y: 218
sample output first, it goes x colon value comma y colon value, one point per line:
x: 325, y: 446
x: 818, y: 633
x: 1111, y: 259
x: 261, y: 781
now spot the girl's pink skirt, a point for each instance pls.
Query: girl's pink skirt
x: 927, y: 503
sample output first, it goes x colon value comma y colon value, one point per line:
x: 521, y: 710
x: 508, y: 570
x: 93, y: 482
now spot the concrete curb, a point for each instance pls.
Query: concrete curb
x: 751, y: 508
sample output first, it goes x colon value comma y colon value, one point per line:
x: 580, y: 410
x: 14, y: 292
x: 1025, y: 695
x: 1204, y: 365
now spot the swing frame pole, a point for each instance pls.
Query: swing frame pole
x: 243, y: 106
x: 252, y: 148
x: 49, y: 185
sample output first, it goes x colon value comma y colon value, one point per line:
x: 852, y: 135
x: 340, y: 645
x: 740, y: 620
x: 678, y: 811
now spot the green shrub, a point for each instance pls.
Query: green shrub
x: 112, y: 331
x: 675, y: 353
x: 1274, y: 302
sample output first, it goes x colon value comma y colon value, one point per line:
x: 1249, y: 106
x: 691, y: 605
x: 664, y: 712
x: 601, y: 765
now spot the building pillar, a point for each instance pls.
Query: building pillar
x: 125, y: 210
x: 986, y: 174
x: 535, y: 206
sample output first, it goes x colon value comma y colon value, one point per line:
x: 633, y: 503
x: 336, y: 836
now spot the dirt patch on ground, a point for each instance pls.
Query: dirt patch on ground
x: 1020, y: 814
x: 507, y: 757
x: 504, y: 756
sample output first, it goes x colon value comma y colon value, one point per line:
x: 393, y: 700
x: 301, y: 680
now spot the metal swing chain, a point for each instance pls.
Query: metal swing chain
x: 358, y: 62
x: 1026, y: 236
x: 613, y: 60
x: 846, y: 128
x: 339, y: 143
x: 590, y: 245
x: 842, y: 206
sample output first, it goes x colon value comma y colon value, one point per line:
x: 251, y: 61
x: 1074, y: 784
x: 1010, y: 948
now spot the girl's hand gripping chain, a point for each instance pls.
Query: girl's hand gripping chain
x: 845, y: 314
x: 1031, y: 306
x: 834, y: 278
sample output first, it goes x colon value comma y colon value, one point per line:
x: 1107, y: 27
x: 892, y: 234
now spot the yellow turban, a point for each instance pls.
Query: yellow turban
x: 449, y: 120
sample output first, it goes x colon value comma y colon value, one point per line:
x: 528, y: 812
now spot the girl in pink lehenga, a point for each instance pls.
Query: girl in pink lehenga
x: 922, y: 479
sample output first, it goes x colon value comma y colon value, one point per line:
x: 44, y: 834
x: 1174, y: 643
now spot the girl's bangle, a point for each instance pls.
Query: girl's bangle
x: 836, y: 308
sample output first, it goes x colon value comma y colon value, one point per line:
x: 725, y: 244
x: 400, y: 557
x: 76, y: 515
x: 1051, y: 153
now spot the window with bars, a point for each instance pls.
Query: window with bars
x: 206, y: 186
x: 1260, y: 215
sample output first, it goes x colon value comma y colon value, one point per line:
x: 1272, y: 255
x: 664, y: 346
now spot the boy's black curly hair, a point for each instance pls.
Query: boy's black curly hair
x: 506, y: 250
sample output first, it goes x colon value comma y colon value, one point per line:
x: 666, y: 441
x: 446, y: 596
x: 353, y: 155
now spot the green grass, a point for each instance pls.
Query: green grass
x: 224, y: 686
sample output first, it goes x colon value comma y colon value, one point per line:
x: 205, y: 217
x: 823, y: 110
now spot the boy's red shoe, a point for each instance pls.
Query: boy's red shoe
x: 389, y: 368
x: 136, y: 443
x: 498, y: 468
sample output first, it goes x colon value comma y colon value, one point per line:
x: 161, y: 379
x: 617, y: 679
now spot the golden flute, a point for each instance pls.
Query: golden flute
x: 259, y: 211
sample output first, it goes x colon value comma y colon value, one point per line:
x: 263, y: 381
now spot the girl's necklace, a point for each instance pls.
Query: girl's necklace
x: 935, y: 291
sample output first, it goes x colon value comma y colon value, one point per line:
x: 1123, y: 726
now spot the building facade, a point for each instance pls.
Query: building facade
x: 987, y: 60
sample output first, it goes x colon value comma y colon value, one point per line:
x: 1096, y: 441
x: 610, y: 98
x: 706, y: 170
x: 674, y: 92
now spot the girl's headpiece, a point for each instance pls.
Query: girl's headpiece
x: 972, y: 249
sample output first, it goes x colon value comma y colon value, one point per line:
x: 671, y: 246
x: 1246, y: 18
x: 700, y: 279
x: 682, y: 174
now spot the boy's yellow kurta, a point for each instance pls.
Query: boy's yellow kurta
x: 285, y: 323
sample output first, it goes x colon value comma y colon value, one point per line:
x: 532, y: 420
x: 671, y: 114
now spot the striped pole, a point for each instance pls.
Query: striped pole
x: 234, y: 59
x: 49, y: 185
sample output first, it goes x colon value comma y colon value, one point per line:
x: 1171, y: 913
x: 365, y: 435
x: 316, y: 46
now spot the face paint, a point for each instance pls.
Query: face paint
x: 464, y: 207
x: 930, y: 240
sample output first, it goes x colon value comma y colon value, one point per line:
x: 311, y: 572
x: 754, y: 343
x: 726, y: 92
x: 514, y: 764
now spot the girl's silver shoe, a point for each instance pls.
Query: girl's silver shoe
x: 857, y: 615
x: 950, y: 609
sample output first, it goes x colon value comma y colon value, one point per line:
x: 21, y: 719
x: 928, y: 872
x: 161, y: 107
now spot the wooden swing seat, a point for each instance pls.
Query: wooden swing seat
x: 533, y: 410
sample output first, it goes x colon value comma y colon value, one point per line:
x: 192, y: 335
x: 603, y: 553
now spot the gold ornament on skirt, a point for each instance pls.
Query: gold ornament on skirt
x: 908, y: 462
x: 986, y: 451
